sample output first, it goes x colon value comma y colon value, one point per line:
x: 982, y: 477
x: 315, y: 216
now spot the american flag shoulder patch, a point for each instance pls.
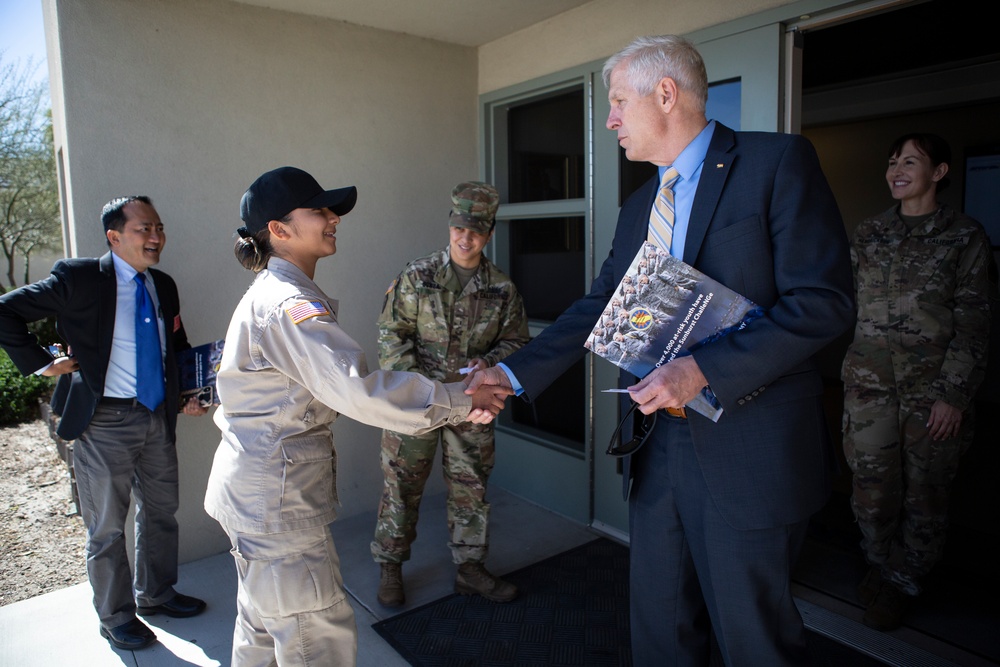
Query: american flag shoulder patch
x: 303, y: 310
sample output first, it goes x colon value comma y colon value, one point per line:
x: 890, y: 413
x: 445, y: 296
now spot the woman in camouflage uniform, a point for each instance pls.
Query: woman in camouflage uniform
x: 451, y: 311
x: 918, y: 356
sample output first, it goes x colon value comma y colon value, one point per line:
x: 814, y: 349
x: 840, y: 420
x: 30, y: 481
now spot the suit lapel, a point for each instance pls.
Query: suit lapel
x: 714, y: 172
x: 640, y: 227
x: 107, y: 287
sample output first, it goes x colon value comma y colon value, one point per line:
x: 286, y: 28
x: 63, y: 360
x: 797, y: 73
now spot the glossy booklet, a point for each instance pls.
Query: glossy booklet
x: 663, y: 309
x: 197, y: 368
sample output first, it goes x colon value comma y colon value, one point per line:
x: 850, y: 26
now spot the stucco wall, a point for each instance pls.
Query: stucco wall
x: 189, y: 100
x: 596, y: 30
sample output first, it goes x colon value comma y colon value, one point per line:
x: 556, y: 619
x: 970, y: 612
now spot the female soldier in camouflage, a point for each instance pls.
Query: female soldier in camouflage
x: 451, y: 310
x: 918, y: 356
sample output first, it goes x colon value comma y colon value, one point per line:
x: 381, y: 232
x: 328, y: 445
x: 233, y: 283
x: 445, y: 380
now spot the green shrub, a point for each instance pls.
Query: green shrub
x: 19, y: 394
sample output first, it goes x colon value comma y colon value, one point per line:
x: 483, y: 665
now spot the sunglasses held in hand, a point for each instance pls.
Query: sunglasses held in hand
x: 641, y: 433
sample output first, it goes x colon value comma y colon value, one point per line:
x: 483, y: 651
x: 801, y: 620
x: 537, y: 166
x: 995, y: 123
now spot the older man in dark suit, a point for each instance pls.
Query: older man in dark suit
x: 118, y: 397
x: 717, y: 511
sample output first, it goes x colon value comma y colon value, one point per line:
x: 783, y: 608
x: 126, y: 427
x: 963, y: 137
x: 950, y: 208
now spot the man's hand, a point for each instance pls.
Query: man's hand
x: 945, y: 421
x: 476, y: 364
x: 672, y: 385
x: 193, y: 407
x: 493, y: 376
x: 494, y: 382
x: 61, y: 366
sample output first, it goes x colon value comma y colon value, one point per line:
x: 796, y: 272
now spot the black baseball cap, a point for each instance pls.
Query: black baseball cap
x: 280, y: 191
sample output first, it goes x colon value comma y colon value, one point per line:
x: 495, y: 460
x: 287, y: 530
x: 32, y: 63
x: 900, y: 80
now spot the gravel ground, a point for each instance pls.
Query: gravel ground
x: 41, y: 539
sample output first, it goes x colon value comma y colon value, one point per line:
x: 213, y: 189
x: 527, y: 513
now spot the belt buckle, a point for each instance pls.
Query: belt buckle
x: 677, y: 412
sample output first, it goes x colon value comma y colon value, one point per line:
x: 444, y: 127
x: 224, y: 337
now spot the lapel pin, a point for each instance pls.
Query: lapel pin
x: 719, y: 166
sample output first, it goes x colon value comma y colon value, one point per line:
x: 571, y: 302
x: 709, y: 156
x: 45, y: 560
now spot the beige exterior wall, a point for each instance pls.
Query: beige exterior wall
x: 189, y: 100
x: 595, y: 31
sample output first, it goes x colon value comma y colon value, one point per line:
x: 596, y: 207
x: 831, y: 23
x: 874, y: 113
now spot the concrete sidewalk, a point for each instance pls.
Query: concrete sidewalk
x: 61, y: 628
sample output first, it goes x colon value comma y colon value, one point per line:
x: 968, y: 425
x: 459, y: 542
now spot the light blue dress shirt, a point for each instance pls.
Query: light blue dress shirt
x: 688, y: 164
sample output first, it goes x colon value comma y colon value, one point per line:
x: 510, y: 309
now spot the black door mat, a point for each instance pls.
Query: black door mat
x: 572, y: 610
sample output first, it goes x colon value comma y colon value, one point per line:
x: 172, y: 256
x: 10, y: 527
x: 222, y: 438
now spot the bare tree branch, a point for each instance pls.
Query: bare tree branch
x: 29, y: 198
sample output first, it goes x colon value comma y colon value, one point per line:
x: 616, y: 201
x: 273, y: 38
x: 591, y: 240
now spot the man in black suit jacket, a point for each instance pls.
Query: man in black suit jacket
x: 717, y: 511
x: 121, y: 444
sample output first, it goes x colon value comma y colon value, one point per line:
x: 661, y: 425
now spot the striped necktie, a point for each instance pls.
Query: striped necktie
x: 148, y: 357
x: 661, y: 217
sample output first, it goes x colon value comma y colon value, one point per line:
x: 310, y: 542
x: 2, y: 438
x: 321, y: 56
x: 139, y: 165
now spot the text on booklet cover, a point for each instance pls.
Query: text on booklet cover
x: 663, y: 309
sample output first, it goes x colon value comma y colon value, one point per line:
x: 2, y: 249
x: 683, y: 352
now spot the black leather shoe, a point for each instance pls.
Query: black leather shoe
x: 130, y: 636
x: 179, y: 606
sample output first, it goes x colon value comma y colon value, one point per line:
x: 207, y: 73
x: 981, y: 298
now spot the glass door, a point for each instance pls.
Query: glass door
x: 540, y: 165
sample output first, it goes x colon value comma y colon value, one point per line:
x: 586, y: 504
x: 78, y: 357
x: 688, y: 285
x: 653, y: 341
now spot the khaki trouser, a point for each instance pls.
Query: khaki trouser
x: 291, y: 605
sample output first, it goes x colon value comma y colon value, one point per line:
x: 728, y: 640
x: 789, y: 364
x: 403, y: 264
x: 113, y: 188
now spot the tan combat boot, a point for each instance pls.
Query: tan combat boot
x: 390, y: 585
x: 474, y: 579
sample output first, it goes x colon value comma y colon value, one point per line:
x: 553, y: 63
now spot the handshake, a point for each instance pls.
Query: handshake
x: 489, y: 388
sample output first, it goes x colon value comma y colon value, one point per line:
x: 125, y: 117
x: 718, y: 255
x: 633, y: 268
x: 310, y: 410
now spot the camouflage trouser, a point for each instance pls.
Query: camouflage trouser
x: 901, y: 483
x: 467, y: 456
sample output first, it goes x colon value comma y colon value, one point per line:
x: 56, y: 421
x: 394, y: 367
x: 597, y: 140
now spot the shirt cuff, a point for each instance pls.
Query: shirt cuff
x: 514, y: 384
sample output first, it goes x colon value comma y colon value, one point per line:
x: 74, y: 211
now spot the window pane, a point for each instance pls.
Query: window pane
x: 631, y: 175
x: 546, y: 148
x: 559, y: 410
x: 724, y: 103
x: 547, y: 264
x: 545, y: 158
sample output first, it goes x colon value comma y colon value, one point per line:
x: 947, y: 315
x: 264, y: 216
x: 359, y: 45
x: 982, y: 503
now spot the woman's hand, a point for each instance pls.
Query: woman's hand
x: 477, y: 364
x: 489, y: 389
x: 945, y: 421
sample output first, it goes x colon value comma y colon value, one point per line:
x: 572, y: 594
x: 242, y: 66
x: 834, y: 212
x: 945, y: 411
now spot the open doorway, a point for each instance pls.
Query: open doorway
x: 930, y: 67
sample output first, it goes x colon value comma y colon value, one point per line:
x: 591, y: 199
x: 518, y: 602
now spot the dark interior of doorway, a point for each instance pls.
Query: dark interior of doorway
x: 919, y: 38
